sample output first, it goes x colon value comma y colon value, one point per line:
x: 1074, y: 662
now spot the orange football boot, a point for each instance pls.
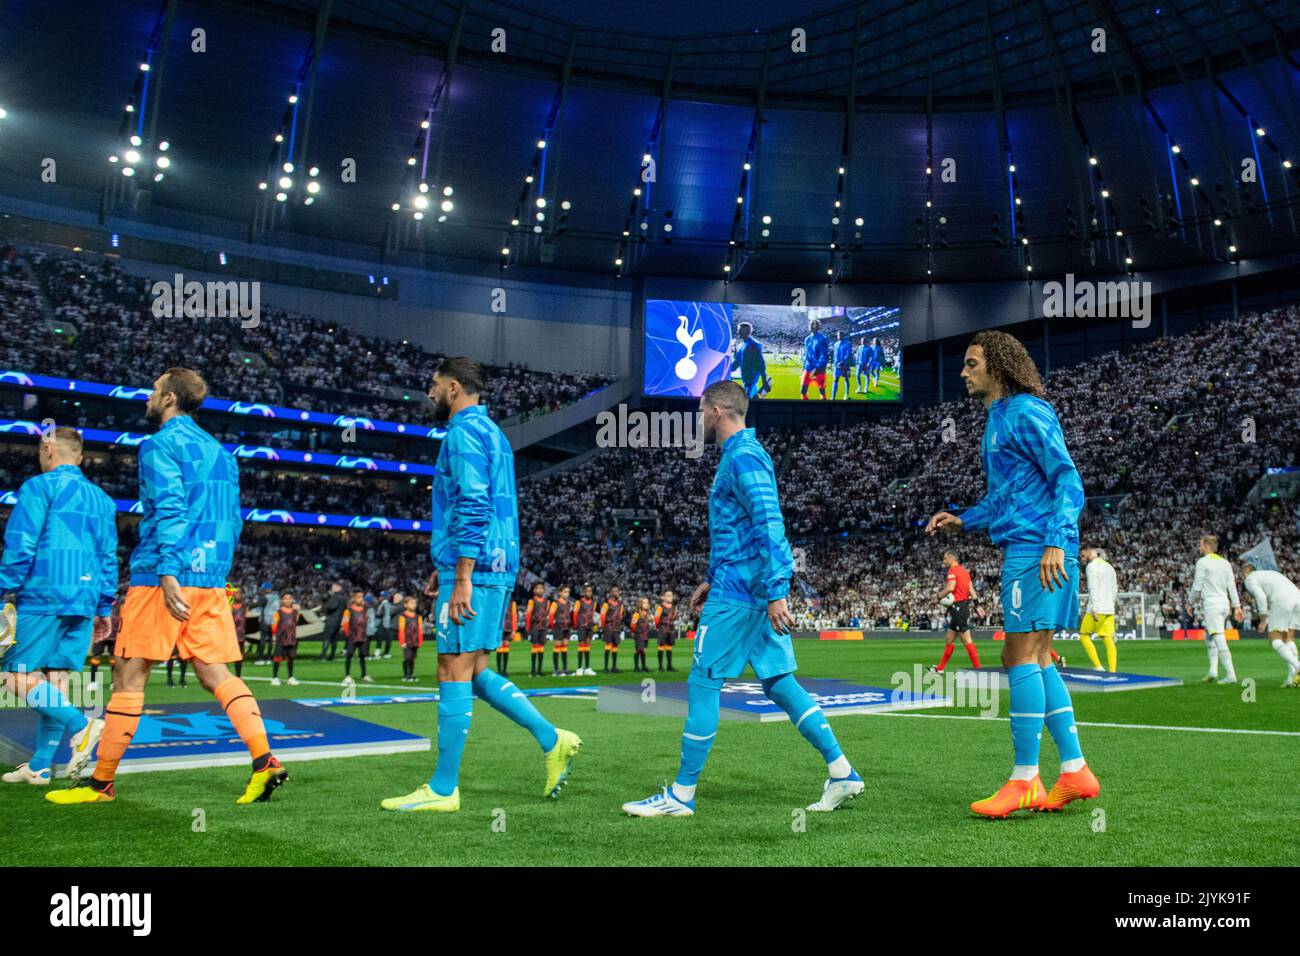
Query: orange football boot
x: 1014, y: 795
x: 1080, y: 785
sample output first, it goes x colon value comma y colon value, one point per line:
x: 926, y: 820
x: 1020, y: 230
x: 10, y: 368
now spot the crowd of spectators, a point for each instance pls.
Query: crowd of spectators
x: 111, y: 334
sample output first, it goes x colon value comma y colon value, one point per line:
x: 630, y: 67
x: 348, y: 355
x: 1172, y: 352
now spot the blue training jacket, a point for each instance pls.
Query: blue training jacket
x: 816, y: 351
x: 1034, y: 492
x: 475, y: 509
x: 750, y: 561
x: 61, y: 546
x: 189, y: 493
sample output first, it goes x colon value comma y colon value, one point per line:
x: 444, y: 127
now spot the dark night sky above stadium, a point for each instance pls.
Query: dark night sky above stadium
x: 678, y: 17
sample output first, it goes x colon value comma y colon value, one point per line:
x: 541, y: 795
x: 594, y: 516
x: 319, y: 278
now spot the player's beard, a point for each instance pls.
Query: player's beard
x: 151, y: 414
x: 441, y: 411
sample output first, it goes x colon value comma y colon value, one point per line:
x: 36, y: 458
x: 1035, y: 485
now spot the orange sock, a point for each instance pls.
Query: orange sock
x: 237, y: 701
x: 121, y: 718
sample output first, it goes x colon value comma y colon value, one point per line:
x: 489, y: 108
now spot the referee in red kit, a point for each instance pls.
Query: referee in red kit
x: 957, y: 594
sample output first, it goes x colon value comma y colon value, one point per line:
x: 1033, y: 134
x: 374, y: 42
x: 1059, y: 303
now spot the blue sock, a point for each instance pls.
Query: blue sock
x: 505, y: 697
x: 49, y: 734
x: 1027, y: 705
x: 455, y: 708
x: 703, y: 698
x: 1060, y: 715
x: 47, y: 699
x: 788, y: 694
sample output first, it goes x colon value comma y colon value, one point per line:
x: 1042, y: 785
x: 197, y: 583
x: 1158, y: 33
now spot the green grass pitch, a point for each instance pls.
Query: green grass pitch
x: 785, y: 384
x: 1168, y: 796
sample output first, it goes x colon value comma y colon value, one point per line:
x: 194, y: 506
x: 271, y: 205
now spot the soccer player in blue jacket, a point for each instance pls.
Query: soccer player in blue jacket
x: 843, y: 354
x: 474, y: 541
x: 60, y: 558
x: 189, y: 529
x: 744, y: 618
x: 1031, y: 511
x: 816, y: 356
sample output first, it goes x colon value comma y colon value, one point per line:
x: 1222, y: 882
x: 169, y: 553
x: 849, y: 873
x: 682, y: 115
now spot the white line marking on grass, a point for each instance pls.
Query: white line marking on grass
x: 1082, y: 723
x: 339, y: 683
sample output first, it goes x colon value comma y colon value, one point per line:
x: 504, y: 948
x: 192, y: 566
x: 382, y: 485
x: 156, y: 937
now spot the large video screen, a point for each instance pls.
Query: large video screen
x: 813, y: 353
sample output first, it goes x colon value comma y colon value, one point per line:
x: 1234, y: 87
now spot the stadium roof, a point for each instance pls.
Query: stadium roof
x: 987, y: 84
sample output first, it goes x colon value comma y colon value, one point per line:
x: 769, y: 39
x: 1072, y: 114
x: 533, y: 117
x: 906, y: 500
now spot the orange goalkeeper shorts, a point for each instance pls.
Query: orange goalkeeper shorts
x: 150, y: 632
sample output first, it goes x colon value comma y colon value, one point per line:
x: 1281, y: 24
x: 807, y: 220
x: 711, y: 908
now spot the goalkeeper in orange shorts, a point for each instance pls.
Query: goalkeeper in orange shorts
x: 189, y: 490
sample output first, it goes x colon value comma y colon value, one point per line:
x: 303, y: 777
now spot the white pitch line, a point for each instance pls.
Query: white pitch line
x: 410, y: 688
x: 1081, y: 723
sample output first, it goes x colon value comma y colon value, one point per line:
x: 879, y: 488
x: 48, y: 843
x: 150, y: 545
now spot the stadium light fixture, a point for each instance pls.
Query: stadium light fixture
x: 309, y: 200
x: 668, y: 227
x: 618, y: 262
x: 766, y: 233
x: 410, y: 160
x: 162, y: 162
x: 1218, y: 222
x: 767, y: 220
x: 447, y: 190
x: 128, y: 171
x: 841, y: 170
x: 1232, y: 249
x: 3, y: 112
x: 1194, y: 181
x: 1259, y: 131
x: 859, y: 221
x: 420, y: 202
x: 424, y: 124
x: 726, y: 268
x: 262, y: 184
x: 314, y: 171
x: 281, y: 197
x: 135, y: 140
x: 505, y: 250
x: 113, y: 158
x: 286, y: 182
x: 1119, y: 233
x: 279, y: 137
x: 164, y: 146
x: 528, y: 178
x: 424, y: 187
x: 1128, y: 260
x: 637, y: 191
x: 287, y: 167
x: 313, y: 187
x: 417, y: 216
x: 1175, y: 148
x: 1011, y: 168
x: 158, y: 177
x: 537, y: 229
x: 130, y: 107
x: 541, y: 202
x: 1092, y: 160
x: 1286, y: 163
x: 740, y: 199
x: 396, y: 206
x: 144, y: 67
x: 541, y: 144
x: 132, y: 156
x: 566, y: 205
x: 1105, y: 194
x: 747, y: 167
x: 446, y: 206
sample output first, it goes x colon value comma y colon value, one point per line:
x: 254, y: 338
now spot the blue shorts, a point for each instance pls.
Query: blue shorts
x: 1027, y: 606
x: 731, y: 636
x: 479, y: 633
x: 49, y: 641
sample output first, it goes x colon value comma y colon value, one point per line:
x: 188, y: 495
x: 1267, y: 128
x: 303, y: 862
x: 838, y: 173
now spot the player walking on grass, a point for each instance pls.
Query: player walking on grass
x: 474, y: 541
x: 816, y: 356
x: 189, y: 490
x: 1100, y: 617
x: 1214, y: 594
x: 61, y: 558
x: 1031, y: 511
x: 1277, y: 601
x: 744, y: 619
x: 957, y: 589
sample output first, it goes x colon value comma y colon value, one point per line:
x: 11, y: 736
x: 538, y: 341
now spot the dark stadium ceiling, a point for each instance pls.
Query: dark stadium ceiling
x: 984, y: 83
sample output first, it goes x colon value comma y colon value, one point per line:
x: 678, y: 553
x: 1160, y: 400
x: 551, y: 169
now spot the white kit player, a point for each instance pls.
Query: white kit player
x: 1277, y: 600
x: 1214, y: 595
